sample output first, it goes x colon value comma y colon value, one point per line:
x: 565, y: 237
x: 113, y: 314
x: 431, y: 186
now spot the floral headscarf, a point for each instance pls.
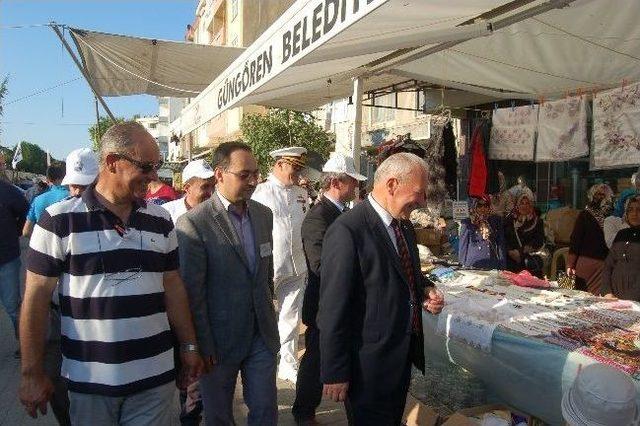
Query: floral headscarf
x: 481, y: 219
x: 599, y: 208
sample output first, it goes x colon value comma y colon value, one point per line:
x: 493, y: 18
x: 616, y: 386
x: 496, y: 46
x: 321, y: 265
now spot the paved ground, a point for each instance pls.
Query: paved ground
x: 12, y: 414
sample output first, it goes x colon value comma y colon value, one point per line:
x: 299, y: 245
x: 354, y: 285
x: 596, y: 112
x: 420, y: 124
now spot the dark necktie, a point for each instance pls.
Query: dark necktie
x: 405, y: 260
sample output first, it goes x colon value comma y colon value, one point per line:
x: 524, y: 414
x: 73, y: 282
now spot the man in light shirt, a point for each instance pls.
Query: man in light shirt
x: 198, y: 183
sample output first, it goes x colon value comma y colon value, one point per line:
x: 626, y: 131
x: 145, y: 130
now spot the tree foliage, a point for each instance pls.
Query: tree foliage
x: 3, y: 93
x: 34, y: 159
x: 97, y: 130
x: 279, y: 128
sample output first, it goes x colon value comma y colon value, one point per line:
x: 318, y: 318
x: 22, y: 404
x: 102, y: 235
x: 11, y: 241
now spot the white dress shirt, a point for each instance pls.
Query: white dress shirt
x: 386, y: 219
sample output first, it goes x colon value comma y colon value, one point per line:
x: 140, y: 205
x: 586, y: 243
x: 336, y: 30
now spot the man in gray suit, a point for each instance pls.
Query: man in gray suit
x: 227, y: 266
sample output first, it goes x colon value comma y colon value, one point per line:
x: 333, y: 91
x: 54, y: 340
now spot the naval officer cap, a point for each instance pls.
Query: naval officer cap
x: 295, y: 155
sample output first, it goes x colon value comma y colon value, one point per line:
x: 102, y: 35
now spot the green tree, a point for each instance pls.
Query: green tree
x: 3, y: 93
x: 97, y: 130
x: 279, y: 128
x: 34, y: 159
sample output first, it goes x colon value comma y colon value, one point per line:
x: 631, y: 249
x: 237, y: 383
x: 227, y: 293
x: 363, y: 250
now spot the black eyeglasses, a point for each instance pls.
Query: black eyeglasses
x: 145, y: 167
x: 244, y: 175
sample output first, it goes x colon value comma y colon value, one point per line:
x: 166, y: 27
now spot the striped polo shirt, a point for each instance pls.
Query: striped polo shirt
x: 116, y: 338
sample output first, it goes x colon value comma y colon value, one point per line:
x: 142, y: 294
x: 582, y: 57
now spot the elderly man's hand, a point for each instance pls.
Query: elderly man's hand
x: 434, y: 301
x: 336, y: 391
x: 35, y: 391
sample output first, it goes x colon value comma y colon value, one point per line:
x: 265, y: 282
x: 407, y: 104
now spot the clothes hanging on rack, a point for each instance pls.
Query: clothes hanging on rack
x: 478, y: 162
x: 450, y: 160
x: 436, y: 187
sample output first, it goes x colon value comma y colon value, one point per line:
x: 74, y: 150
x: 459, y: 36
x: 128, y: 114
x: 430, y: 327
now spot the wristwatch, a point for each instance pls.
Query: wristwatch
x: 188, y: 347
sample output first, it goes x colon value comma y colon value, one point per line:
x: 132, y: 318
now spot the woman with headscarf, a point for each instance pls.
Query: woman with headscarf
x: 482, y: 237
x: 621, y: 274
x: 524, y: 235
x: 588, y: 248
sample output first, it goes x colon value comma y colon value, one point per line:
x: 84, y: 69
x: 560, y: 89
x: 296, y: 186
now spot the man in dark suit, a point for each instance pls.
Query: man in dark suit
x: 339, y: 183
x: 227, y: 265
x: 371, y: 297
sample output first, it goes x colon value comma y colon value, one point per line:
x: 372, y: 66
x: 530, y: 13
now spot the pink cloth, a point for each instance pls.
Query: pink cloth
x: 525, y: 279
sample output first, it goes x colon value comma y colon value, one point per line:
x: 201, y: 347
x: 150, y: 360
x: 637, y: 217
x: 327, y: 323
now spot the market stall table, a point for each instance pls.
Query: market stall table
x: 489, y: 329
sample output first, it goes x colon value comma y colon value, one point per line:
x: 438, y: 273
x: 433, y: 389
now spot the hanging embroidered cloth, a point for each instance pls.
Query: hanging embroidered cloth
x: 616, y: 128
x: 562, y: 130
x: 513, y: 133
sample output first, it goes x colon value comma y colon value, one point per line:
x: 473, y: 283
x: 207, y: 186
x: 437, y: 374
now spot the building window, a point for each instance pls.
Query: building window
x: 153, y: 125
x: 380, y: 115
x: 234, y: 9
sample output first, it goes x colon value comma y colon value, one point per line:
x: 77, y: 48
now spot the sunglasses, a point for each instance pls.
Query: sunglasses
x: 145, y: 167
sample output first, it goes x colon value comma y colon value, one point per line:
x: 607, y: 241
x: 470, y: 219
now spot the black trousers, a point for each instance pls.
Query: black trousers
x: 308, y: 385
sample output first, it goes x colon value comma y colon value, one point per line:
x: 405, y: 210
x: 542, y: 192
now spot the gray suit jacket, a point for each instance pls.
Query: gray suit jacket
x: 227, y: 301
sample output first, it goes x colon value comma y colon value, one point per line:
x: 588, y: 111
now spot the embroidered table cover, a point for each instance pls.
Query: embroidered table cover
x: 513, y: 133
x: 616, y: 128
x: 562, y: 130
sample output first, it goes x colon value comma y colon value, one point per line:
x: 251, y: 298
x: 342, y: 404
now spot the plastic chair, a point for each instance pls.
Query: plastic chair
x: 562, y: 253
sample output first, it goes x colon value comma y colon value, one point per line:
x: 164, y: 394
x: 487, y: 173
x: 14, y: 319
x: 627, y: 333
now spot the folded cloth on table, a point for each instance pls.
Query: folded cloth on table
x: 525, y: 279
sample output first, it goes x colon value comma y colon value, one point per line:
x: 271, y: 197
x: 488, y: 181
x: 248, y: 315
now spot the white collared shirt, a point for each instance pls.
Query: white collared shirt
x: 386, y: 219
x: 176, y: 208
x: 338, y: 204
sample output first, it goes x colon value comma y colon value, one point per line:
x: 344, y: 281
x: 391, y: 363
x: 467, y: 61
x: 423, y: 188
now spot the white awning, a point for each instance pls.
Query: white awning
x: 587, y: 45
x: 122, y: 65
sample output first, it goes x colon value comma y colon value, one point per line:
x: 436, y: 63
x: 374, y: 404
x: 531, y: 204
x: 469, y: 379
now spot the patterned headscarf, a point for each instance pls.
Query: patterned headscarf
x: 481, y: 219
x: 599, y: 208
x: 634, y: 199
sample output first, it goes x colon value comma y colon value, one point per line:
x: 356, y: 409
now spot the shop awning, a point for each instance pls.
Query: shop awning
x: 122, y: 65
x: 580, y: 45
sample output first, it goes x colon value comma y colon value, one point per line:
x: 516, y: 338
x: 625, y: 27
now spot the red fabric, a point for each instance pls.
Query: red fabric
x: 525, y: 279
x: 162, y: 195
x: 478, y: 170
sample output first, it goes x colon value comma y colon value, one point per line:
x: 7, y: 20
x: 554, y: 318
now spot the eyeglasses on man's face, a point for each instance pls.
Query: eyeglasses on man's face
x: 144, y: 166
x: 245, y: 174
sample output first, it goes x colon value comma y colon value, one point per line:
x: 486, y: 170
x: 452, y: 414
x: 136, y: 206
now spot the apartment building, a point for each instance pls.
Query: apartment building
x: 234, y: 23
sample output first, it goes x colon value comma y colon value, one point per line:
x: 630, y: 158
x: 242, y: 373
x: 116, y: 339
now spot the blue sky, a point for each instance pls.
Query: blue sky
x: 33, y: 58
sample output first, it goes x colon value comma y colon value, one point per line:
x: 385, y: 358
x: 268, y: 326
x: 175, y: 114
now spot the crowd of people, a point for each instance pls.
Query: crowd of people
x: 603, y: 242
x: 131, y: 286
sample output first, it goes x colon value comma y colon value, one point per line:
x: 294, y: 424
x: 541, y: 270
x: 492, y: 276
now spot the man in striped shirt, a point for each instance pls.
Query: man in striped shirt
x: 116, y: 259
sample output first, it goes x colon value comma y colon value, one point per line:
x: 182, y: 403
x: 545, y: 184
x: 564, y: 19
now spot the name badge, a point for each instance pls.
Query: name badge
x: 265, y: 249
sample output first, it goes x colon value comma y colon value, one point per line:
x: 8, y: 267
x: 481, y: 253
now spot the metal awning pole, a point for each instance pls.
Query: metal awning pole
x: 55, y: 28
x: 356, y: 143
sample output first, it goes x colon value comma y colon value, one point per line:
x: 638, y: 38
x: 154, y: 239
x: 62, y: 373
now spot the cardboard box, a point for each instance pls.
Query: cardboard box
x: 463, y: 417
x: 417, y: 413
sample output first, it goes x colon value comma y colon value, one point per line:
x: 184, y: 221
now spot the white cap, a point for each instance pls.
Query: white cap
x: 291, y: 151
x: 82, y: 167
x: 339, y: 163
x: 600, y: 396
x: 197, y: 168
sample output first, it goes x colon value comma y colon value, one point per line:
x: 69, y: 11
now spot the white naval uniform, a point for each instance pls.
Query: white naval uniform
x: 289, y: 205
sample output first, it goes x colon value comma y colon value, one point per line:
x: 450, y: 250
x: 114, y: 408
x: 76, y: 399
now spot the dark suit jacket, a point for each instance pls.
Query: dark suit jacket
x: 227, y: 300
x: 364, y: 306
x: 314, y: 227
